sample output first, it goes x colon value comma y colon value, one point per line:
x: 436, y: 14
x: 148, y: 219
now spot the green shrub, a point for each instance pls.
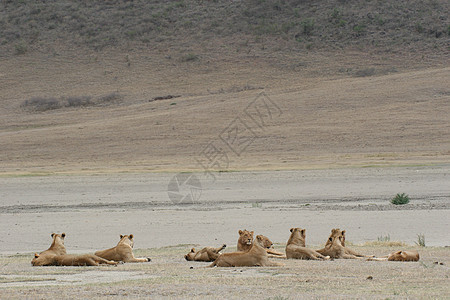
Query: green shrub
x: 400, y: 199
x: 421, y: 240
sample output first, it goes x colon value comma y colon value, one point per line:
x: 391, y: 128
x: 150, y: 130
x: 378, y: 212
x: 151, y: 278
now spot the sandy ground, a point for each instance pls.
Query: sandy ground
x: 94, y: 210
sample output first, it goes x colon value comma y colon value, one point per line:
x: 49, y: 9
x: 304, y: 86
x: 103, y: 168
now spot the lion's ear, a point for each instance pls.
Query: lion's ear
x: 343, y: 232
x: 36, y: 255
x: 130, y: 236
x: 292, y: 229
x: 303, y: 231
x: 193, y: 250
x: 251, y: 232
x: 330, y: 239
x: 63, y: 235
x: 121, y: 236
x: 240, y: 232
x: 52, y: 234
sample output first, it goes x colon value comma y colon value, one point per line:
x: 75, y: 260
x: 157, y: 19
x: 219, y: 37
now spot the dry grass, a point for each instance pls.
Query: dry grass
x: 170, y: 275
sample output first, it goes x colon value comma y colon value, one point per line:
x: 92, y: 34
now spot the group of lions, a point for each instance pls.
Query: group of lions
x: 250, y: 252
x: 256, y: 252
x: 56, y: 255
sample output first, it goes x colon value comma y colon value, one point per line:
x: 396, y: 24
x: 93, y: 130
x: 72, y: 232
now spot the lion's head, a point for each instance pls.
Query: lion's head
x: 245, y: 237
x: 266, y: 243
x: 127, y: 239
x: 190, y: 256
x: 298, y: 237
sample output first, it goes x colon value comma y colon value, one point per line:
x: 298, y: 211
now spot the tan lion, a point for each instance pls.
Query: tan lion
x: 56, y: 248
x: 123, y: 251
x: 398, y: 256
x: 256, y: 256
x: 206, y: 254
x: 70, y: 260
x: 295, y: 247
x: 245, y: 242
x: 334, y: 248
x: 348, y: 250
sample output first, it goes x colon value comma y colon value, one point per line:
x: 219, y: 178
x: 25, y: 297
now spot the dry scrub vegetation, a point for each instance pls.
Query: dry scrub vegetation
x: 276, y: 25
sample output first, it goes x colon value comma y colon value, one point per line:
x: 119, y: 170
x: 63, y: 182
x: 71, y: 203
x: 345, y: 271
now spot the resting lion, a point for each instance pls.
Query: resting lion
x: 347, y: 250
x: 71, y: 260
x: 398, y: 256
x: 206, y: 254
x: 56, y: 248
x: 334, y: 248
x: 245, y: 242
x: 255, y: 257
x: 123, y: 251
x: 295, y: 247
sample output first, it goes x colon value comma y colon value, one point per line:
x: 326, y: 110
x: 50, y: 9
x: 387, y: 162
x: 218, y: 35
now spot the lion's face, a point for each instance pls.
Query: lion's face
x: 246, y: 237
x: 41, y: 260
x: 266, y: 243
x: 127, y: 239
x: 262, y: 241
x: 191, y: 255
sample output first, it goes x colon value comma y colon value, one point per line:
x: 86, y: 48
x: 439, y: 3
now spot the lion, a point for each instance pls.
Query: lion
x: 256, y: 256
x: 206, y: 254
x: 398, y: 256
x: 334, y: 248
x: 56, y: 248
x: 245, y: 242
x: 295, y: 247
x: 70, y: 260
x: 347, y: 250
x: 123, y: 251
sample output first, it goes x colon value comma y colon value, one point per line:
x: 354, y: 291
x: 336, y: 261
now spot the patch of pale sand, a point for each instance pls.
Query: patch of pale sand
x: 85, y: 277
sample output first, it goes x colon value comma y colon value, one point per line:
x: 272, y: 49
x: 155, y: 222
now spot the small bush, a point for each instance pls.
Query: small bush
x: 110, y: 98
x: 400, y: 199
x: 365, y: 72
x: 189, y: 57
x: 41, y: 104
x: 20, y: 48
x: 420, y: 240
x: 386, y: 238
x: 308, y: 26
x: 79, y: 101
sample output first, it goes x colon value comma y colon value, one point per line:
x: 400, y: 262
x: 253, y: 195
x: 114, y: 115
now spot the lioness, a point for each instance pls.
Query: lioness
x: 206, y: 254
x: 348, y: 250
x: 255, y: 257
x: 123, y: 251
x: 399, y: 256
x: 333, y: 247
x: 245, y: 242
x: 295, y: 247
x: 70, y: 260
x: 56, y: 248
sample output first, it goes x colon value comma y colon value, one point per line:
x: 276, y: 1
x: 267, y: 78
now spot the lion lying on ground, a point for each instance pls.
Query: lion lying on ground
x: 398, y: 256
x: 123, y: 251
x: 334, y: 248
x: 245, y: 242
x: 295, y: 247
x: 56, y: 256
x: 71, y: 260
x: 348, y: 250
x: 56, y: 248
x: 206, y: 254
x: 256, y: 256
